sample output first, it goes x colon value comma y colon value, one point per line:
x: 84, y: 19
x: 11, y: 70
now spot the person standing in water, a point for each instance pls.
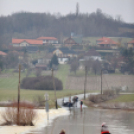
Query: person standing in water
x: 104, y: 129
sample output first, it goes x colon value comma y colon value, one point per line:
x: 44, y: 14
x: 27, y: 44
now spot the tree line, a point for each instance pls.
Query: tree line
x: 34, y: 25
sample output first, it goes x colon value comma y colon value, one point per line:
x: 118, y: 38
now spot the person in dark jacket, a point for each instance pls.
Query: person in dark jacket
x: 81, y: 103
x: 62, y: 132
x: 104, y: 129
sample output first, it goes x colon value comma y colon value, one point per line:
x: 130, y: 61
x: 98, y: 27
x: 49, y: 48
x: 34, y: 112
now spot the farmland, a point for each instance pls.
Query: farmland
x: 72, y: 84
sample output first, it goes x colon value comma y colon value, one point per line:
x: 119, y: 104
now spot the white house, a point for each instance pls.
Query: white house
x: 48, y: 40
x: 63, y: 60
x: 92, y: 54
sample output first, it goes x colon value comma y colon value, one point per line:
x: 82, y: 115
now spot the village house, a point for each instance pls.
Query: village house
x: 107, y: 43
x: 64, y: 54
x: 130, y: 44
x: 48, y: 40
x: 92, y: 54
x: 3, y: 54
x: 34, y: 42
x: 71, y: 41
x: 26, y: 42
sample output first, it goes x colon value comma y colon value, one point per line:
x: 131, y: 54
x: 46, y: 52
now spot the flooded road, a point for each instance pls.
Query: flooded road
x: 89, y: 120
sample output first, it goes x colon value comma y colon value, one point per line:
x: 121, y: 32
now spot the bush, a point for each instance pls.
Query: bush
x: 26, y: 114
x: 41, y: 83
x: 108, y: 92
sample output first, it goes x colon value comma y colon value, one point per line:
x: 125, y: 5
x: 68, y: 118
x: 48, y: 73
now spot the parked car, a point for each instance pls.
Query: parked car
x: 66, y: 101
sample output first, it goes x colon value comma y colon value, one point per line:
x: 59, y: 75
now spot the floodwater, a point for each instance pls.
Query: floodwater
x: 89, y: 120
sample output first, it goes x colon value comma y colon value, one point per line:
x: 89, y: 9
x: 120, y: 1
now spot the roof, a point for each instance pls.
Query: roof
x: 92, y: 53
x: 30, y: 41
x: 77, y: 40
x: 105, y: 40
x: 131, y: 42
x: 47, y: 38
x: 3, y: 53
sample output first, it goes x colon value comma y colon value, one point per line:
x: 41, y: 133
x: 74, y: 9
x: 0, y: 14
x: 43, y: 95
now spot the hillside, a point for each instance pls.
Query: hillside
x: 34, y: 25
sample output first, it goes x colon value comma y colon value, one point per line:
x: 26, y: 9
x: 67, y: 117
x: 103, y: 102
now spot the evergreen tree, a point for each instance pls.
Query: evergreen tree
x: 54, y: 61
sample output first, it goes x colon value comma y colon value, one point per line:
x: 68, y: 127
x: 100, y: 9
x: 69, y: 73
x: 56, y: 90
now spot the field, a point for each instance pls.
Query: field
x: 72, y: 84
x: 94, y: 82
x: 124, y: 98
x: 9, y: 85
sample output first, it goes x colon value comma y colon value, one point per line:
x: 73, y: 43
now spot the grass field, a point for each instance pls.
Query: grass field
x: 9, y: 86
x: 124, y: 98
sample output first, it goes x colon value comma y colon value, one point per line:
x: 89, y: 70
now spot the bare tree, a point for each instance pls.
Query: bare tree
x: 38, y: 72
x: 96, y: 66
x: 77, y: 9
x: 88, y: 64
x: 74, y: 66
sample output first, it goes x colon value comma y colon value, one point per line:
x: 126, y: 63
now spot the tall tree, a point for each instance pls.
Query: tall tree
x: 77, y: 9
x: 74, y: 66
x: 129, y: 61
x: 54, y: 61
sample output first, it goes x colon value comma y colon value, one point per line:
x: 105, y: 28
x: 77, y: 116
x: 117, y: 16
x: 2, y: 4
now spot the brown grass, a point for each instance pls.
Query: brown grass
x: 26, y: 114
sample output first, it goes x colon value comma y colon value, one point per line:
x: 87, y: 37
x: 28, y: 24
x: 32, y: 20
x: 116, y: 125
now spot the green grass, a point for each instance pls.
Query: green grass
x: 124, y: 98
x: 9, y: 86
x: 63, y: 73
x: 80, y: 73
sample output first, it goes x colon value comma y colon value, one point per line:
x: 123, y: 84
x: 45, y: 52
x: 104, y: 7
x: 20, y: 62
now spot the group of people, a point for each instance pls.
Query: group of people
x: 104, y: 129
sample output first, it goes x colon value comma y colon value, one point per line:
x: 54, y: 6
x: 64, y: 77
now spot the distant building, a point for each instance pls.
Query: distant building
x: 3, y: 54
x: 69, y: 42
x: 34, y: 42
x: 107, y: 43
x: 64, y: 52
x: 26, y: 42
x: 92, y: 54
x: 48, y: 40
x: 130, y: 44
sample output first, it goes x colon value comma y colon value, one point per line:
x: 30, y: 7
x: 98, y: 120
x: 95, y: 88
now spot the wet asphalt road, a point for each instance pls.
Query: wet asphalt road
x: 89, y: 120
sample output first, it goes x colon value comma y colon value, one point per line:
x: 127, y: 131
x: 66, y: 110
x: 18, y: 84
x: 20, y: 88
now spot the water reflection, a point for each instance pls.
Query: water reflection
x: 89, y: 121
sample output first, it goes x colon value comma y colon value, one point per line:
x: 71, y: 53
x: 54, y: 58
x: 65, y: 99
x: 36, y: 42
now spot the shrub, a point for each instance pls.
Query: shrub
x: 26, y: 114
x: 108, y: 92
x: 41, y: 83
x: 94, y: 98
x: 39, y: 100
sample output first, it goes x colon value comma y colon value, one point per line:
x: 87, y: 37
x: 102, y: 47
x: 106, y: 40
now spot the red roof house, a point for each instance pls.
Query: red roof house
x: 26, y: 42
x: 105, y: 42
x: 2, y: 53
x: 130, y: 44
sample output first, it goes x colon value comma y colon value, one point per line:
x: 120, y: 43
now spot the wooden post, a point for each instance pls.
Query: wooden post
x: 54, y: 90
x: 18, y: 117
x: 101, y: 81
x: 85, y: 82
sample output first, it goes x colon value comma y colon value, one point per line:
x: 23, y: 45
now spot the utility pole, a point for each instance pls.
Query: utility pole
x: 18, y: 116
x: 101, y: 81
x: 85, y: 82
x: 54, y: 90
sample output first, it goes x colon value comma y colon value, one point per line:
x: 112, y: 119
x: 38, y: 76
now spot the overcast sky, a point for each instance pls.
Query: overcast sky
x: 125, y: 8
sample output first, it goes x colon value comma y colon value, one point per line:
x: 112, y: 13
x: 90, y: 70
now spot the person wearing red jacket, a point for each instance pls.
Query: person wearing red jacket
x: 104, y: 129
